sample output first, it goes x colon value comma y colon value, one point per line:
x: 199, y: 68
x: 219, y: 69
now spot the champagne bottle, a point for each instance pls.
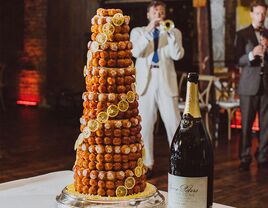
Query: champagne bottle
x: 190, y: 178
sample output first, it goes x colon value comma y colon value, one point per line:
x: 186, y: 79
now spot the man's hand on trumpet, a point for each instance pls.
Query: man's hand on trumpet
x: 259, y: 50
x: 264, y: 42
x: 153, y: 24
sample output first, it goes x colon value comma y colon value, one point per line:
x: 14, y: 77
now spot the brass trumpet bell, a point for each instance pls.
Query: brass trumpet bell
x: 167, y: 25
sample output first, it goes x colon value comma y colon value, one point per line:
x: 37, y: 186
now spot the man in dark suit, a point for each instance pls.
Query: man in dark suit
x: 252, y: 57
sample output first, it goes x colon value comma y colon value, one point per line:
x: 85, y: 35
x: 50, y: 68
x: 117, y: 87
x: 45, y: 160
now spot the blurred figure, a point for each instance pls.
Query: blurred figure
x: 155, y: 50
x: 251, y: 51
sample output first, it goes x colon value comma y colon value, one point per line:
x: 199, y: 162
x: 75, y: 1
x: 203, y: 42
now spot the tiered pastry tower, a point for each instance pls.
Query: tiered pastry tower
x: 109, y: 147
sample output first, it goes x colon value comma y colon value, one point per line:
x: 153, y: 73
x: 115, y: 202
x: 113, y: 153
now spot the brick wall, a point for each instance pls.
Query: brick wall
x: 35, y: 31
x: 53, y: 35
x: 35, y: 46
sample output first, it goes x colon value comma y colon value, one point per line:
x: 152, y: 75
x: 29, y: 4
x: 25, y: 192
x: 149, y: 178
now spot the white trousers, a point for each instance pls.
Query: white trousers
x: 156, y: 98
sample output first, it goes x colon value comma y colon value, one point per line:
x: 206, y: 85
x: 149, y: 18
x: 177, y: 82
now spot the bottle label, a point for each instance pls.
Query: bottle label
x: 184, y: 192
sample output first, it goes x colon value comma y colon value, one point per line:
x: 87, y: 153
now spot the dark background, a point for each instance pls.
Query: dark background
x: 67, y: 33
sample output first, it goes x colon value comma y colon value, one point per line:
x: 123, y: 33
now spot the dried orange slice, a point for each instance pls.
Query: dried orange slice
x: 118, y: 19
x: 138, y: 171
x: 85, y: 71
x: 78, y: 141
x: 143, y: 153
x: 121, y: 191
x: 140, y: 162
x: 130, y: 182
x: 93, y: 125
x: 132, y: 64
x: 133, y: 87
x: 101, y: 38
x: 131, y: 96
x: 94, y: 46
x: 112, y: 110
x: 108, y: 28
x: 102, y: 117
x: 123, y: 106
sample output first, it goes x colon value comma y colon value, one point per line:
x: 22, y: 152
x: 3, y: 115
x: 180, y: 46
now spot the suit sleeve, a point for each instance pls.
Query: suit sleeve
x: 176, y: 50
x: 242, y: 57
x: 266, y: 56
x: 140, y: 42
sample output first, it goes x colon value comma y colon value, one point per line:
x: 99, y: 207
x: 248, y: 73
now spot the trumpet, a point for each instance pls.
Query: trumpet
x: 167, y: 25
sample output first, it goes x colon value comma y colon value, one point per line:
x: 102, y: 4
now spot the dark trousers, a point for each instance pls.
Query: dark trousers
x: 249, y: 106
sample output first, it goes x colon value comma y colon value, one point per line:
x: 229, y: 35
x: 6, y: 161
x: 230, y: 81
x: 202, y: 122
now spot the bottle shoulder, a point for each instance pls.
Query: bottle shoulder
x: 191, y: 151
x: 193, y: 132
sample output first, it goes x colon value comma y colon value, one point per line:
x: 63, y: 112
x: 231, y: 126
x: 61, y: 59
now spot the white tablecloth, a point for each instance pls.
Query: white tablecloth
x: 40, y: 191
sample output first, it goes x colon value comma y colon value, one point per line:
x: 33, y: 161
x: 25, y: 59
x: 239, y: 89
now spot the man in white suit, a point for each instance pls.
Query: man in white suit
x: 155, y: 51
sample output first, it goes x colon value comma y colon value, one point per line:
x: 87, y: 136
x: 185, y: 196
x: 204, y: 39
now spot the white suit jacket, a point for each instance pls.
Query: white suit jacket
x: 169, y: 48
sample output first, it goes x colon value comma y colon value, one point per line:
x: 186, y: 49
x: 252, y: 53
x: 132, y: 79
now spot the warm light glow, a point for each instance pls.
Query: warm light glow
x: 28, y: 103
x: 199, y: 3
x: 236, y: 122
x: 254, y: 128
x: 29, y: 87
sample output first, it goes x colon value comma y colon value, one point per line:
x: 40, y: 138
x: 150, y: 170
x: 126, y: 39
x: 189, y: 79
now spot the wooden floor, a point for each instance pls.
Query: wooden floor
x: 35, y: 141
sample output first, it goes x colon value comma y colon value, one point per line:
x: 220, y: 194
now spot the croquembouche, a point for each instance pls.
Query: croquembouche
x: 109, y: 149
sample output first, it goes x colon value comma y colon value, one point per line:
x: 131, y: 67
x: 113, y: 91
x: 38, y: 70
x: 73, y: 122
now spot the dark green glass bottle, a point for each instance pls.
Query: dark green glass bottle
x: 190, y: 178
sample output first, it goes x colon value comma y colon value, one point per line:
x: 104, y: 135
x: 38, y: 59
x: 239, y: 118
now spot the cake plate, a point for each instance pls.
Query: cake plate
x: 150, y: 197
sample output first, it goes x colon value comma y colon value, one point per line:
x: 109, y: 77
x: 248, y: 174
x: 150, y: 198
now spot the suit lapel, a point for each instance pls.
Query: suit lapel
x: 252, y: 35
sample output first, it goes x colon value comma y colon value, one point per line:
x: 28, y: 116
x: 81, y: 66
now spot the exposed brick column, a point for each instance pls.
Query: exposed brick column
x: 35, y: 37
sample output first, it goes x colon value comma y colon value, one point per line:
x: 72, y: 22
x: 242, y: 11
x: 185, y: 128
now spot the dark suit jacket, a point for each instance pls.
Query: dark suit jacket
x: 250, y: 77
